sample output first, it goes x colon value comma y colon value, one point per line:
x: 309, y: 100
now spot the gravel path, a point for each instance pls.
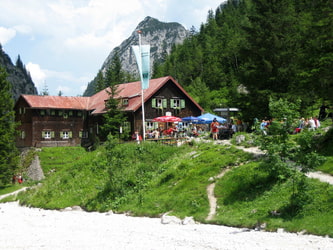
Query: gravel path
x: 36, y: 229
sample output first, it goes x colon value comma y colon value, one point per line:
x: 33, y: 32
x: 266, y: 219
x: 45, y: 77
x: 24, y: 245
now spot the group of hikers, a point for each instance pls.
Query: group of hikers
x: 17, y: 178
x: 235, y: 125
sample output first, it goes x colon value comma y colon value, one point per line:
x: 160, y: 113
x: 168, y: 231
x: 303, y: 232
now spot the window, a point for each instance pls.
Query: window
x: 22, y: 111
x: 42, y: 112
x: 22, y: 134
x: 177, y: 103
x: 125, y: 102
x: 151, y: 125
x: 65, y: 135
x: 159, y: 103
x: 83, y: 134
x: 48, y: 134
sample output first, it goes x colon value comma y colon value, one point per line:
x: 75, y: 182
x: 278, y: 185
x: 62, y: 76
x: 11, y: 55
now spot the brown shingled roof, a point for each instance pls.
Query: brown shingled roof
x: 132, y: 91
x: 56, y: 102
x: 96, y: 103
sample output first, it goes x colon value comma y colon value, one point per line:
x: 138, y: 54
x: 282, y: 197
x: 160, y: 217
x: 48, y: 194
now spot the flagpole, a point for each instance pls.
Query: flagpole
x: 142, y: 98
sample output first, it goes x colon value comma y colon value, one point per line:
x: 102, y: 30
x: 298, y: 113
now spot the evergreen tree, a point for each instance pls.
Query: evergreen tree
x: 99, y: 82
x: 8, y: 151
x: 117, y: 75
x: 45, y: 90
x: 316, y: 20
x: 114, y: 117
x: 270, y: 58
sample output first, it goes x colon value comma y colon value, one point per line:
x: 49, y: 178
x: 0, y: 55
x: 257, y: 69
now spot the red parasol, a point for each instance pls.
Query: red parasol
x: 167, y: 118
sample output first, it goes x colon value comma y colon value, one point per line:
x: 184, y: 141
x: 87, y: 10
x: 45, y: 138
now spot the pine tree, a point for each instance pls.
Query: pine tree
x: 114, y: 117
x: 100, y: 82
x: 117, y: 75
x: 45, y: 90
x: 8, y: 151
x: 270, y: 57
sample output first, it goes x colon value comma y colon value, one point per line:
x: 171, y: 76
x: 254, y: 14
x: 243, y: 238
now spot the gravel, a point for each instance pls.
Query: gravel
x: 33, y: 228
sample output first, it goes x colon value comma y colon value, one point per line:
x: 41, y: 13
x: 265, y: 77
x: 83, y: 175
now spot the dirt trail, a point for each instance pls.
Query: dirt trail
x: 256, y: 151
x: 13, y: 193
x: 211, y: 197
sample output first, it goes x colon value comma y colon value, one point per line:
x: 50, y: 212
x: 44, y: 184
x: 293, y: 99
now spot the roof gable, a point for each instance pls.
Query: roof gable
x: 96, y: 103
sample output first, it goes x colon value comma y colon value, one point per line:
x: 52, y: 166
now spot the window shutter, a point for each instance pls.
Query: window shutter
x: 153, y: 103
x: 80, y: 134
x: 43, y: 134
x: 70, y: 135
x: 172, y: 103
x: 182, y: 103
x: 52, y: 134
x: 165, y: 103
x: 61, y: 134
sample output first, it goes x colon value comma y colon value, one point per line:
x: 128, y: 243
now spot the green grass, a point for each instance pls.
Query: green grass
x: 151, y: 179
x: 248, y: 197
x: 327, y: 167
x: 10, y: 188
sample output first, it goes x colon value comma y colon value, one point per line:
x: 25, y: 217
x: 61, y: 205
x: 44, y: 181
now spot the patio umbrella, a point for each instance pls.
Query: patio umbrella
x: 192, y: 119
x: 167, y: 118
x: 208, y: 118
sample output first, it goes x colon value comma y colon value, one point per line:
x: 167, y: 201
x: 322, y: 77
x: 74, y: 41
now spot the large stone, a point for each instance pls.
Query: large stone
x: 170, y: 219
x: 35, y: 171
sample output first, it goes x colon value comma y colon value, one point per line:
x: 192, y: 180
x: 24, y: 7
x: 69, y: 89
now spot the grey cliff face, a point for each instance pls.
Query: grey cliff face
x: 19, y: 78
x: 159, y: 35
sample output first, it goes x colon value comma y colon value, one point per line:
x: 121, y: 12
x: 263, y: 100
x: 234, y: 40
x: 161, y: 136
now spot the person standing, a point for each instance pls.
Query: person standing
x: 322, y: 112
x: 214, y: 127
x: 312, y: 124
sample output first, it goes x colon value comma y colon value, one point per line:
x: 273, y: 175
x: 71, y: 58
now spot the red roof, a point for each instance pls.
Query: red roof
x: 56, y: 102
x: 96, y: 103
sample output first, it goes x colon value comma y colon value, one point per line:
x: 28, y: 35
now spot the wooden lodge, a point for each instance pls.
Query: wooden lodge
x: 71, y: 121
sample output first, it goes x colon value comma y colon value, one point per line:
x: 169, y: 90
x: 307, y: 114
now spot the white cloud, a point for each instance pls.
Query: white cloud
x: 6, y: 35
x: 63, y: 89
x: 37, y: 74
x: 74, y: 37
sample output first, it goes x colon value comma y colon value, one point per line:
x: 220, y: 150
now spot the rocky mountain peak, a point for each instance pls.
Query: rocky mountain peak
x: 161, y: 36
x: 18, y: 76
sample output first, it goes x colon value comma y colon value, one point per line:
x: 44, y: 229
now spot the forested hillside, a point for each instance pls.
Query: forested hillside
x: 249, y: 51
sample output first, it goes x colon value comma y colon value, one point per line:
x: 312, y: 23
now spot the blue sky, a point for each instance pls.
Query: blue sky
x: 63, y: 43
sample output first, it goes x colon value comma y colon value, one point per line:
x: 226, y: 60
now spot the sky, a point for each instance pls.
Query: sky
x: 63, y: 43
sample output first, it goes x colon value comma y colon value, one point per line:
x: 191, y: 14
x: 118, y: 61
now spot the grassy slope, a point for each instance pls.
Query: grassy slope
x: 152, y: 179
